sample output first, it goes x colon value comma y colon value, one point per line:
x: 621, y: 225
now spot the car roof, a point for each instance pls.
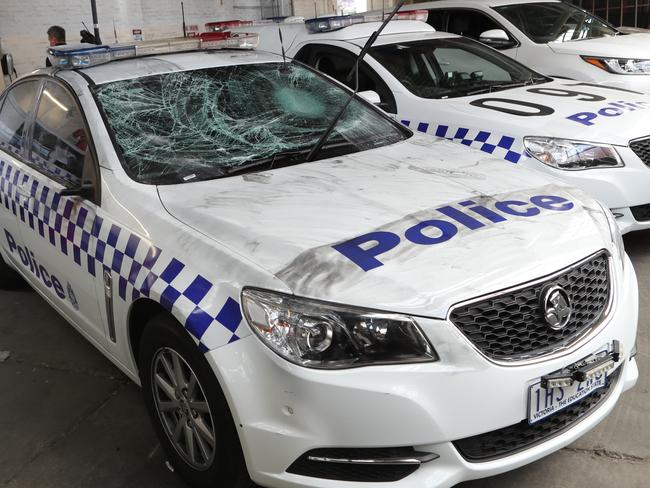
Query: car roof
x: 470, y: 3
x: 168, y: 63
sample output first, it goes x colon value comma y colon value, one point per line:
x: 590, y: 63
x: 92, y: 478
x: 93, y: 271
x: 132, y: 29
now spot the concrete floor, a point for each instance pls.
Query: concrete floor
x: 70, y: 419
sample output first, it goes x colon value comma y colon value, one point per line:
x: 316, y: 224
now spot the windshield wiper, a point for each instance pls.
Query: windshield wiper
x: 279, y: 159
x: 319, y: 144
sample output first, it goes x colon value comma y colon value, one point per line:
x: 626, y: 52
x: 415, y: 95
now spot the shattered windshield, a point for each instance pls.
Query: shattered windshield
x: 452, y: 67
x: 555, y: 22
x: 215, y: 122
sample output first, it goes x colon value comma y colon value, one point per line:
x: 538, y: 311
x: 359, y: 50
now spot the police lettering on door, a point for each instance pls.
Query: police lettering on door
x: 28, y: 260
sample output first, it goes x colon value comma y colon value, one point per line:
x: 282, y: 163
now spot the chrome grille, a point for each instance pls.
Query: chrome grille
x: 510, y: 326
x: 641, y: 148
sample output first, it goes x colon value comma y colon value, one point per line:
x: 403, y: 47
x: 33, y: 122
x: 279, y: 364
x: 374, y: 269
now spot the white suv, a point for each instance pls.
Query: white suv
x: 555, y: 38
x: 388, y: 310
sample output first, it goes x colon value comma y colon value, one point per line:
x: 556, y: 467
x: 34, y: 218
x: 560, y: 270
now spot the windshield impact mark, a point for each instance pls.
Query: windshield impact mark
x: 209, y: 123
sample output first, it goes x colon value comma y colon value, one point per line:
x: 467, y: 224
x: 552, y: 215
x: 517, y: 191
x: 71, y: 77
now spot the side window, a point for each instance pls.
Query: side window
x: 470, y: 23
x: 338, y: 63
x: 59, y: 139
x: 14, y: 115
x: 436, y: 19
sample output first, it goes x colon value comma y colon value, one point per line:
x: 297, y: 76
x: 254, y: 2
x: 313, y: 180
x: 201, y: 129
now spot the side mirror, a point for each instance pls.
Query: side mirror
x: 370, y: 96
x: 85, y: 191
x: 496, y: 38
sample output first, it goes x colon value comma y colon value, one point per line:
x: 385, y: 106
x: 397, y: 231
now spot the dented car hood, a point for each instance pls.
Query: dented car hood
x: 369, y: 228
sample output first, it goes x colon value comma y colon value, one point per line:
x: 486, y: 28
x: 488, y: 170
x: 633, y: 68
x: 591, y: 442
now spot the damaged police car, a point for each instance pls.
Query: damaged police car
x: 389, y: 308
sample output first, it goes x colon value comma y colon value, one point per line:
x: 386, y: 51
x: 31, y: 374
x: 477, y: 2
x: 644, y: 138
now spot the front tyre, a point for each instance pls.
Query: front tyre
x: 188, y: 408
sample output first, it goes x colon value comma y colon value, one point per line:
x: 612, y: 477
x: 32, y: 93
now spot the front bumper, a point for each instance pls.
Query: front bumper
x: 283, y: 411
x: 620, y: 189
x: 627, y: 222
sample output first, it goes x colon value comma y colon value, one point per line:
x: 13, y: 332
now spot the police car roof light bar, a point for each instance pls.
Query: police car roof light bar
x: 87, y: 55
x: 224, y: 25
x: 78, y: 55
x: 329, y: 24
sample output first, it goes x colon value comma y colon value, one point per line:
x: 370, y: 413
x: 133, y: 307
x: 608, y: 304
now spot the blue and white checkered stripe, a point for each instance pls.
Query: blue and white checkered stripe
x: 138, y: 267
x: 502, y: 146
x: 61, y: 173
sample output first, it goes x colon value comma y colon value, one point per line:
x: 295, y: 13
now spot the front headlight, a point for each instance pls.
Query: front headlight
x: 328, y: 336
x: 620, y: 66
x: 572, y: 155
x: 615, y: 233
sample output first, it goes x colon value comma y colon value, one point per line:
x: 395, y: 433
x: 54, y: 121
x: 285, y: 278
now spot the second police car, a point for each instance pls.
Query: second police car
x: 391, y: 308
x: 594, y: 137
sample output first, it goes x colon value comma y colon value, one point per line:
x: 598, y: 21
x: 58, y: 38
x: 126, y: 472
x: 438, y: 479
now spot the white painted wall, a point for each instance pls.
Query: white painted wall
x: 23, y: 23
x: 314, y: 8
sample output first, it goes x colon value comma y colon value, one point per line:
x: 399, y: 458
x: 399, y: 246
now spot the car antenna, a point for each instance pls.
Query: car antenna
x: 284, y: 54
x: 355, y: 71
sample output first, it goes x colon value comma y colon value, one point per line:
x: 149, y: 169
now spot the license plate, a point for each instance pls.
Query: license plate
x: 543, y: 403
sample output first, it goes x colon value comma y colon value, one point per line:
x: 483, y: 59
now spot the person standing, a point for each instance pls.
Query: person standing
x: 56, y: 36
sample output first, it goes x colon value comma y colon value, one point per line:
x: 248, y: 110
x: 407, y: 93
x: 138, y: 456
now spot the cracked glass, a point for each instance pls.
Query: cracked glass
x: 210, y: 123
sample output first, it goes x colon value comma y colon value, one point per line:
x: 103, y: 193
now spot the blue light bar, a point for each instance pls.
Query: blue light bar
x: 78, y: 55
x: 329, y: 24
x: 87, y: 55
x: 122, y: 51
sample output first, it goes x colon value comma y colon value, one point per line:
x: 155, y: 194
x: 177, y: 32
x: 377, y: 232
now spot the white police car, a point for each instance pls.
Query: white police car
x: 596, y: 138
x: 553, y: 37
x: 389, y: 312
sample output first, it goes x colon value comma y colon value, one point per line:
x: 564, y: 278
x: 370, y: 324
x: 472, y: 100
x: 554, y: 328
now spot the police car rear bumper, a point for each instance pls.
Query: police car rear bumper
x: 284, y: 411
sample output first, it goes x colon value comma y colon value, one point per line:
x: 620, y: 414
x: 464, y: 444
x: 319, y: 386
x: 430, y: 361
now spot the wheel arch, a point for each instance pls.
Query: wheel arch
x: 139, y: 314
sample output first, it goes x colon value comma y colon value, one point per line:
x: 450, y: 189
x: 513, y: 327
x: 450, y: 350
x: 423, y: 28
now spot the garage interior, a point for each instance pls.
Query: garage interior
x: 96, y: 432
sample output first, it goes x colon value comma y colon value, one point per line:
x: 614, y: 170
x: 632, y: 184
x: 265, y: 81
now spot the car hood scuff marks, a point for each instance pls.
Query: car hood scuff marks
x: 289, y: 222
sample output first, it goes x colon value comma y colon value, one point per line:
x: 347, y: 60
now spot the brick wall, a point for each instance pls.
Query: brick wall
x: 23, y: 23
